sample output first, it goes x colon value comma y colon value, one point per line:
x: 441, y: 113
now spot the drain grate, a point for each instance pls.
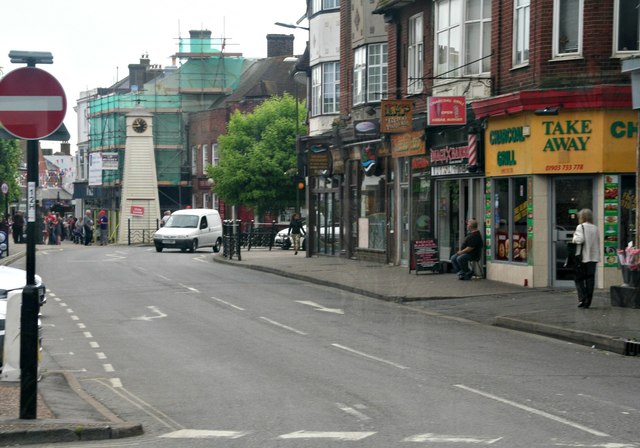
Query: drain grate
x: 632, y: 348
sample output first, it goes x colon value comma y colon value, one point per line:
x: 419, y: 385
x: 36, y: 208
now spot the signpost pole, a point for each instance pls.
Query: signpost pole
x: 39, y: 106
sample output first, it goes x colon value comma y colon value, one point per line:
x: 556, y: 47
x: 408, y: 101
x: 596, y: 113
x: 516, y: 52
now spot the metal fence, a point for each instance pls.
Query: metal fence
x: 248, y: 235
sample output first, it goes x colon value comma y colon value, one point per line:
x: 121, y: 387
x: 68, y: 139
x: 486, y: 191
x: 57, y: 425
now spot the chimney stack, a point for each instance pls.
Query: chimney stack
x: 279, y: 45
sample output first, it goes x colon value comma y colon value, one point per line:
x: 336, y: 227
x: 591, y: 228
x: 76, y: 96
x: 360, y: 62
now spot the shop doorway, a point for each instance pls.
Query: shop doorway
x: 570, y: 195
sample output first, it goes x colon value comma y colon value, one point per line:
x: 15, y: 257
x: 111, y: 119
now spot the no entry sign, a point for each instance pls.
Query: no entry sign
x: 32, y: 103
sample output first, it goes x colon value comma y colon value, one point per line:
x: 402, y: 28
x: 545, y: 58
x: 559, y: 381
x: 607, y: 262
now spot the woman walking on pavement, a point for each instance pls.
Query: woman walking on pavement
x: 295, y: 229
x: 587, y: 236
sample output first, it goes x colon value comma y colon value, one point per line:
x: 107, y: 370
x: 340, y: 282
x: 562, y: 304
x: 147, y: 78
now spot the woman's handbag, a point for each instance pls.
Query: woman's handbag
x: 573, y: 258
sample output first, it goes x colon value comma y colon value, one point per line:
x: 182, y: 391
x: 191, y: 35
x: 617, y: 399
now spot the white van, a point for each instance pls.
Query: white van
x: 190, y: 229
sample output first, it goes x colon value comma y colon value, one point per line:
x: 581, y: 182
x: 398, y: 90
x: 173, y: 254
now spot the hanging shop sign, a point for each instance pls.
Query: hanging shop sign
x: 571, y: 142
x: 447, y: 110
x: 366, y: 129
x: 396, y: 116
x: 408, y: 144
x: 449, y: 160
x: 319, y: 159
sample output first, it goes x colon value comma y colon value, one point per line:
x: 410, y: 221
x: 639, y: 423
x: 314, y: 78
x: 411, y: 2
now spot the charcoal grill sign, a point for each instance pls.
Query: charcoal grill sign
x: 426, y: 256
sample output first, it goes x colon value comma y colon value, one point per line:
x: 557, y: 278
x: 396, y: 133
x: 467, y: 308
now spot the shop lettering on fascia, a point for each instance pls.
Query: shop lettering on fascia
x: 449, y: 160
x: 569, y: 143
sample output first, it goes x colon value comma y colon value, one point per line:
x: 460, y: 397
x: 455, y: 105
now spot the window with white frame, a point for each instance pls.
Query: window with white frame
x: 462, y: 37
x: 415, y: 50
x: 567, y: 27
x: 477, y: 37
x: 370, y: 78
x: 626, y: 27
x: 377, y: 72
x: 521, y: 20
x: 205, y: 200
x: 359, y: 72
x: 448, y: 37
x: 194, y: 160
x: 205, y: 158
x: 325, y: 88
x: 214, y: 154
x: 323, y: 5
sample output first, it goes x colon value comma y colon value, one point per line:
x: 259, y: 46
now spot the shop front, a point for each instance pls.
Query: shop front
x: 459, y: 186
x: 542, y: 169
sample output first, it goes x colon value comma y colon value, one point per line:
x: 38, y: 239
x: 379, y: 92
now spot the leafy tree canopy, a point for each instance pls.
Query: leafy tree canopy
x: 258, y: 154
x: 10, y: 154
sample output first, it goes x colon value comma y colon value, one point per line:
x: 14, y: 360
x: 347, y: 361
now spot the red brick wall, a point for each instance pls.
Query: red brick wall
x: 595, y: 67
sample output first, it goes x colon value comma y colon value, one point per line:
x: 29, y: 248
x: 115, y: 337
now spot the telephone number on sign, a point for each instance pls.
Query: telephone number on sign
x: 565, y: 167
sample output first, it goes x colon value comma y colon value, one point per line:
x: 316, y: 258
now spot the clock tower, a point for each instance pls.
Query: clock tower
x: 139, y: 204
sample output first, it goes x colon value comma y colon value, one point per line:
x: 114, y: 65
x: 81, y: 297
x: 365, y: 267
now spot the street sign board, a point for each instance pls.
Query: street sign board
x: 32, y: 103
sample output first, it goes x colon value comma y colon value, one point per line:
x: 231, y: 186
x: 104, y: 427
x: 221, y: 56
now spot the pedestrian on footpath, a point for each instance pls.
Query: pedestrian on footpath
x: 17, y: 227
x: 295, y: 229
x: 88, y: 228
x: 587, y: 237
x: 103, y: 223
x: 470, y: 250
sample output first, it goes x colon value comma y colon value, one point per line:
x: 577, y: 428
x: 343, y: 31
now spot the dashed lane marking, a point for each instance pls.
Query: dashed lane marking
x: 203, y: 434
x: 346, y: 436
x: 373, y: 358
x: 285, y: 327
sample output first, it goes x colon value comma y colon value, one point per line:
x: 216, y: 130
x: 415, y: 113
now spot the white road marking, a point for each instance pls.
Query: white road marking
x: 101, y: 355
x: 94, y: 344
x: 598, y: 445
x: 115, y: 257
x: 163, y: 277
x: 159, y: 314
x: 353, y: 412
x: 82, y: 326
x: 319, y: 307
x: 347, y: 436
x: 108, y: 368
x: 87, y: 334
x: 609, y: 403
x: 69, y: 310
x: 228, y: 304
x: 75, y: 318
x: 534, y: 411
x: 115, y: 382
x: 63, y: 305
x: 429, y: 437
x: 203, y: 434
x: 188, y: 287
x: 65, y: 354
x: 286, y: 327
x: 374, y: 358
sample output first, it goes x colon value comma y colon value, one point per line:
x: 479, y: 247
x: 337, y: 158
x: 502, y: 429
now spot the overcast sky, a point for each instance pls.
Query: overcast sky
x: 93, y: 43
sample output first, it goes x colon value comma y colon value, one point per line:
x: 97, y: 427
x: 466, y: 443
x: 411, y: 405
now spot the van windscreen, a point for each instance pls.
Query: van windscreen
x: 182, y: 221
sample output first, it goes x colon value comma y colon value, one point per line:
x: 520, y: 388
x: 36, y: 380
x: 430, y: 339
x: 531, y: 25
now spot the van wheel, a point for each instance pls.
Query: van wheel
x: 158, y: 248
x: 194, y: 246
x: 216, y: 246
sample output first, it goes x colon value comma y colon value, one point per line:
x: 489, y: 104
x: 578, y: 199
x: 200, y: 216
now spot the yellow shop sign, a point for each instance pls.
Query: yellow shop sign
x: 572, y: 142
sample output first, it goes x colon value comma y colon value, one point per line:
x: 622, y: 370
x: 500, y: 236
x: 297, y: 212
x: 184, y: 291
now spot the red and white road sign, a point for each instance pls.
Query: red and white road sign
x: 32, y: 103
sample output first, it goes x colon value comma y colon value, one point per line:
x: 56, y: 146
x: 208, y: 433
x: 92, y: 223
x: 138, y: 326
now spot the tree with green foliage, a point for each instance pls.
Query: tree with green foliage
x: 10, y: 154
x: 258, y: 156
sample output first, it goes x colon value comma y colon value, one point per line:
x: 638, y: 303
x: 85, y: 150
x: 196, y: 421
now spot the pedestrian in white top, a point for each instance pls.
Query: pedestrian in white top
x: 587, y: 236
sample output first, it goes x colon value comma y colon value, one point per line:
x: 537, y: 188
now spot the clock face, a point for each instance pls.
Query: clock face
x: 139, y: 125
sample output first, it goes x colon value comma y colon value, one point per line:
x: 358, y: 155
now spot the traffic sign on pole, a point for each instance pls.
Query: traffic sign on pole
x: 32, y: 103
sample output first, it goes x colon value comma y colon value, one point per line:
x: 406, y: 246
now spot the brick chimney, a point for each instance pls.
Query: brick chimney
x: 279, y: 45
x: 137, y: 72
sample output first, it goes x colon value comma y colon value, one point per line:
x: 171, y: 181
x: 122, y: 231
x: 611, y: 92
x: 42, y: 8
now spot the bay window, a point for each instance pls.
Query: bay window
x: 325, y: 89
x: 370, y: 79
